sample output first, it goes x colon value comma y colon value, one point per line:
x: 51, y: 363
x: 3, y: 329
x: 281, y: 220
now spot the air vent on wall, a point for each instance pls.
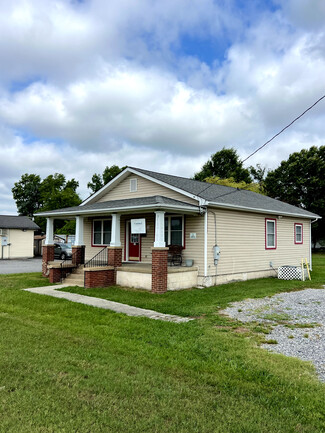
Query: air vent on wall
x: 133, y: 185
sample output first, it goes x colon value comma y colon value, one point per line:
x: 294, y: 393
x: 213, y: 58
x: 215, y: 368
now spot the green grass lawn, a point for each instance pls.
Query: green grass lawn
x: 67, y: 367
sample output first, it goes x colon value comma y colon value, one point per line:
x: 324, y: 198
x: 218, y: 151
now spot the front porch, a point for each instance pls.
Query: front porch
x: 128, y: 248
x: 139, y: 276
x: 135, y: 275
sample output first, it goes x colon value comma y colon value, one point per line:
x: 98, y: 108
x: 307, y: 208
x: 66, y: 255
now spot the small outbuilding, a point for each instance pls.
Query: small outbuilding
x: 16, y: 237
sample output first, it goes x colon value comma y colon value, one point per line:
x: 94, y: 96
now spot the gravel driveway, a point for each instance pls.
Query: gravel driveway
x: 305, y: 309
x: 21, y: 266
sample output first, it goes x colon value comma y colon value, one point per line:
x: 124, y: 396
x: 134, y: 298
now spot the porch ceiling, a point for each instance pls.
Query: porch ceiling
x: 133, y: 205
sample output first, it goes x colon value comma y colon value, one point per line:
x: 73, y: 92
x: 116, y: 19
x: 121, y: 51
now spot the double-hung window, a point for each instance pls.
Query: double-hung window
x: 270, y: 234
x: 174, y: 230
x: 102, y: 230
x: 298, y: 233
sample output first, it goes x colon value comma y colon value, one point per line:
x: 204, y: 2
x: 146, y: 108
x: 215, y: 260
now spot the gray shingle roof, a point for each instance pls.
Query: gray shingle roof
x: 152, y: 201
x: 17, y: 222
x: 228, y: 196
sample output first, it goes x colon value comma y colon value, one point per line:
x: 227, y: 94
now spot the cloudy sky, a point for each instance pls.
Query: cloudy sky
x: 155, y: 84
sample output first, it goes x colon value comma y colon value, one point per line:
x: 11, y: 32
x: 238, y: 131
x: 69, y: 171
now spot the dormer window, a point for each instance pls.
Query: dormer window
x: 133, y: 185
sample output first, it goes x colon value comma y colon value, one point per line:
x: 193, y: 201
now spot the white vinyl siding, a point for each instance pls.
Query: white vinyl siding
x: 20, y: 244
x: 241, y: 238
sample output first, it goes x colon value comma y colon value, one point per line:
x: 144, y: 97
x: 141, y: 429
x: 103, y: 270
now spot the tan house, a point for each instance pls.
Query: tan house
x: 223, y: 233
x: 16, y: 237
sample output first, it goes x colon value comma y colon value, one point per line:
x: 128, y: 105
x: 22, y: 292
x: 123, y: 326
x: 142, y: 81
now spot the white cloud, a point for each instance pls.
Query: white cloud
x: 140, y: 106
x: 102, y: 84
x: 308, y: 14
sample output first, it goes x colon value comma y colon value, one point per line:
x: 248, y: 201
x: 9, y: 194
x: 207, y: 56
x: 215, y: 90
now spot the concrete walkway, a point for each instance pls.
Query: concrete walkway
x: 107, y: 305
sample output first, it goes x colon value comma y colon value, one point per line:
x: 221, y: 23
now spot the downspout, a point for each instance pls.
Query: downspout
x: 310, y: 245
x: 215, y: 244
x: 206, y: 244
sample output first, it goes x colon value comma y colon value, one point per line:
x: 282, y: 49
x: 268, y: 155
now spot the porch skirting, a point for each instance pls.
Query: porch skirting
x: 99, y: 277
x: 140, y: 277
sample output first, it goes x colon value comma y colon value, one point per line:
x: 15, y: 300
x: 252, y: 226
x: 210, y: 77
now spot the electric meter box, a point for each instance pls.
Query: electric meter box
x: 216, y: 254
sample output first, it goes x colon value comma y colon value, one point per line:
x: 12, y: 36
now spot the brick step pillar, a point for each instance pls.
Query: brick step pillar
x: 159, y: 270
x: 47, y: 256
x: 114, y: 259
x: 78, y: 254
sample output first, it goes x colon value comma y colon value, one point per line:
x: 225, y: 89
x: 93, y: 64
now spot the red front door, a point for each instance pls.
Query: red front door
x: 134, y: 246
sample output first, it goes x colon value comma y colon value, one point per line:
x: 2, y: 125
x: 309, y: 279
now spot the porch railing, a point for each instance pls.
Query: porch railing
x: 100, y: 259
x: 65, y: 265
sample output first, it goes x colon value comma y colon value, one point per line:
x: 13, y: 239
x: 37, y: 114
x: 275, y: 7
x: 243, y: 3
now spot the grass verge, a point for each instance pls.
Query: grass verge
x: 67, y: 367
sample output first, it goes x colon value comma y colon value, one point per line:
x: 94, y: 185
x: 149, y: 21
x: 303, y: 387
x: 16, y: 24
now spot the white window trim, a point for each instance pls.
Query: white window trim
x: 133, y: 184
x: 301, y: 234
x: 267, y: 246
x: 168, y: 217
x: 101, y: 232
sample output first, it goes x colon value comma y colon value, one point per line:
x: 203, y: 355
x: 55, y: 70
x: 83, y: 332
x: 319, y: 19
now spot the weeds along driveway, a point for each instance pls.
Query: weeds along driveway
x: 297, y: 323
x: 22, y: 266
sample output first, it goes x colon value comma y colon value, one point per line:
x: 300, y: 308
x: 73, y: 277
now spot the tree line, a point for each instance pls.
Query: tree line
x: 299, y: 180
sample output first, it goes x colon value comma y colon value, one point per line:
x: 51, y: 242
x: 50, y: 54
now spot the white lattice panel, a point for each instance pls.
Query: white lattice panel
x: 289, y: 273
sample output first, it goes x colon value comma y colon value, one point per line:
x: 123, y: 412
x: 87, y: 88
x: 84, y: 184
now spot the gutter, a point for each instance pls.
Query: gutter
x: 116, y: 210
x: 263, y: 211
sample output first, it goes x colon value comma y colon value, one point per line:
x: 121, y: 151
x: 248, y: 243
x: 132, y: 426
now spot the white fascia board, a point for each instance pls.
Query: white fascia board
x: 106, y: 187
x: 190, y: 209
x: 257, y: 210
x: 166, y: 185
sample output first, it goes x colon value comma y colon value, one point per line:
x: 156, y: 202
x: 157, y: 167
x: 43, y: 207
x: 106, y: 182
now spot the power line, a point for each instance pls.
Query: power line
x: 286, y: 127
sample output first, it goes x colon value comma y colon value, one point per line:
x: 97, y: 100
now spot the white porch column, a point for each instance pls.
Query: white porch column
x: 160, y: 230
x: 116, y: 230
x: 79, y: 240
x: 49, y: 231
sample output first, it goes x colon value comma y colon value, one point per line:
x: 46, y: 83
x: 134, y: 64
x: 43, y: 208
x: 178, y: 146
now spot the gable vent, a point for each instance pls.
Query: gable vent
x: 133, y: 185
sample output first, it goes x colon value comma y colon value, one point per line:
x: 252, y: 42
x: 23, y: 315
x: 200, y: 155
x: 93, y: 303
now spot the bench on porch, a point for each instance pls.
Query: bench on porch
x: 175, y: 255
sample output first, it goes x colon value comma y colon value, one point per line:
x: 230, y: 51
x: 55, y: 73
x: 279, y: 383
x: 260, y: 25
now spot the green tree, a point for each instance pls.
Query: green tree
x: 253, y: 186
x: 96, y: 183
x: 27, y: 195
x: 300, y: 181
x: 99, y: 180
x: 224, y: 164
x: 258, y: 174
x: 58, y: 193
x: 54, y: 192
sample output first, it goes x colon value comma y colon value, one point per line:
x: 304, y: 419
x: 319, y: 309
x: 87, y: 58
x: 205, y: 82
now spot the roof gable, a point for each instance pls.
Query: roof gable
x: 103, y: 193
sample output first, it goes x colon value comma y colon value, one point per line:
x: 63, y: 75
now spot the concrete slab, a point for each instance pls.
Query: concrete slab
x: 107, y: 305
